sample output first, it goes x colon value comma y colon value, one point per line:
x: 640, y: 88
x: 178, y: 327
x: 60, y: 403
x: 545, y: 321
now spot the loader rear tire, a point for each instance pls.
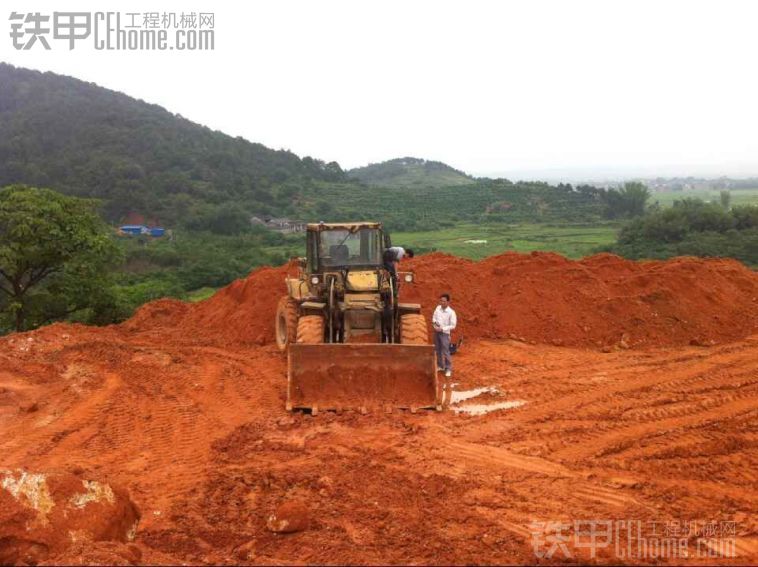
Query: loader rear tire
x: 310, y: 330
x: 413, y: 330
x: 285, y: 327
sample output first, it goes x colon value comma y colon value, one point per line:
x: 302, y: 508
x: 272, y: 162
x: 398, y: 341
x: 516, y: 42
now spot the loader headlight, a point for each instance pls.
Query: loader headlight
x: 314, y: 280
x: 409, y: 278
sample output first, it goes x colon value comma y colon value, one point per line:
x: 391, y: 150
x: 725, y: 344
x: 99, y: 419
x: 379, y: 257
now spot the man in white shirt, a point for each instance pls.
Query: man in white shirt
x: 444, y: 321
x: 391, y: 257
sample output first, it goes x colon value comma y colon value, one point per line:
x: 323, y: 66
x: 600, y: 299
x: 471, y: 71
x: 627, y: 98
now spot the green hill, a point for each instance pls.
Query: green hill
x: 487, y: 200
x: 410, y: 172
x: 84, y: 140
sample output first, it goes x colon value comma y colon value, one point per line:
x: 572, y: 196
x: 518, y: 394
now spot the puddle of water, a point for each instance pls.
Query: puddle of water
x: 457, y: 397
x: 481, y: 409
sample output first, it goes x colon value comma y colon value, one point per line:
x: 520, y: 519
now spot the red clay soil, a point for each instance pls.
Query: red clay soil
x: 539, y: 298
x: 640, y: 404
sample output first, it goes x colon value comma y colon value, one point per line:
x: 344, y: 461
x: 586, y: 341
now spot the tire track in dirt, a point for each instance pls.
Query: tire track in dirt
x: 610, y: 392
x: 31, y: 435
x: 600, y: 407
x: 213, y: 399
x: 618, y: 437
x: 474, y: 455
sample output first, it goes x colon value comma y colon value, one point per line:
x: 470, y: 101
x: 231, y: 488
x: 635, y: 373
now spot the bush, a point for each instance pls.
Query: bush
x: 745, y: 216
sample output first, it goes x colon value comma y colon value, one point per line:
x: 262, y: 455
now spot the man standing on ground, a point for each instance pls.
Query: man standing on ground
x: 444, y: 321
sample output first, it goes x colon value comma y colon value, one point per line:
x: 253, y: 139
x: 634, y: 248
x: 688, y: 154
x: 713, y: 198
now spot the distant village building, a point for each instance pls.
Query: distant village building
x: 283, y: 225
x: 135, y: 218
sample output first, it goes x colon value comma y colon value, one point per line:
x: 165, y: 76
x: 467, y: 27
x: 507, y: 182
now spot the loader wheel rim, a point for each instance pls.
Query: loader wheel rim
x: 281, y: 328
x: 285, y: 324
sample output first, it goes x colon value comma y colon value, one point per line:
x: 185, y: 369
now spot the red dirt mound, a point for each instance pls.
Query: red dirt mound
x: 599, y: 301
x: 241, y: 313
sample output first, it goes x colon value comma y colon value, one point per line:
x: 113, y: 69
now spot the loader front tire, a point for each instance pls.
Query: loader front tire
x: 286, y: 323
x: 310, y: 330
x: 413, y: 330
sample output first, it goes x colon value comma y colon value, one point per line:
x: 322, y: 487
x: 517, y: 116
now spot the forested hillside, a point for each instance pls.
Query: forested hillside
x: 84, y: 140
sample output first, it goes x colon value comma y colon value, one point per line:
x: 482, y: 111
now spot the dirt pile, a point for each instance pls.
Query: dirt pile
x: 543, y: 298
x: 597, y: 301
x: 242, y: 313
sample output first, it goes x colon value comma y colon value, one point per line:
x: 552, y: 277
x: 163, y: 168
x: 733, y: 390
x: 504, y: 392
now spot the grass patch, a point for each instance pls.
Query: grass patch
x: 200, y: 294
x: 739, y: 196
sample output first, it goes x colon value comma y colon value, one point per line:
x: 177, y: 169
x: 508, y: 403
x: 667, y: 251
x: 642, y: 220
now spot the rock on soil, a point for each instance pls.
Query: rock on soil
x: 289, y: 517
x: 42, y: 514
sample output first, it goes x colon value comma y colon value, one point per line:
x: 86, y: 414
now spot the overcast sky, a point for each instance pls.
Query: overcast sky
x: 576, y: 88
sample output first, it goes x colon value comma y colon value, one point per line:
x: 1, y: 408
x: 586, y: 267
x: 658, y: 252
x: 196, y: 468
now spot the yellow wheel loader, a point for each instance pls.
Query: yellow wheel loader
x: 350, y: 344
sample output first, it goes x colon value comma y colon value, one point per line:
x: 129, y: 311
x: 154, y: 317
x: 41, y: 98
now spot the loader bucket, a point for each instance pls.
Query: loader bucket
x: 361, y: 377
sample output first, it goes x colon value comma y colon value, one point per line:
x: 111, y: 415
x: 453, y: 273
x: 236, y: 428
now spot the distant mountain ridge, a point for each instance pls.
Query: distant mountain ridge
x: 410, y: 172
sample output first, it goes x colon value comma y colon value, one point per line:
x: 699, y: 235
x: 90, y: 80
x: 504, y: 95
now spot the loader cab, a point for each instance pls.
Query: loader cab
x: 339, y: 246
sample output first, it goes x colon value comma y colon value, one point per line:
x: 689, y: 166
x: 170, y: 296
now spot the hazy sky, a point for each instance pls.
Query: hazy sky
x: 570, y: 87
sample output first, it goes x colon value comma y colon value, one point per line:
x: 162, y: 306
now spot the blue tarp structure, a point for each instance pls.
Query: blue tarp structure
x: 138, y: 229
x: 133, y: 228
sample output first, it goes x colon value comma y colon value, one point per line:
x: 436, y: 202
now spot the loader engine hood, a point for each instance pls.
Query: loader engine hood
x: 364, y: 280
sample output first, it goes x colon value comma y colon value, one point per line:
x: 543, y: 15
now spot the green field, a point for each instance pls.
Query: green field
x: 572, y: 241
x: 200, y: 294
x: 739, y: 196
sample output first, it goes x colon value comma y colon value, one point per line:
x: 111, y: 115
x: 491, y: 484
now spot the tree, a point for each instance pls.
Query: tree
x: 55, y: 252
x: 635, y: 195
x: 726, y: 199
x: 629, y: 201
